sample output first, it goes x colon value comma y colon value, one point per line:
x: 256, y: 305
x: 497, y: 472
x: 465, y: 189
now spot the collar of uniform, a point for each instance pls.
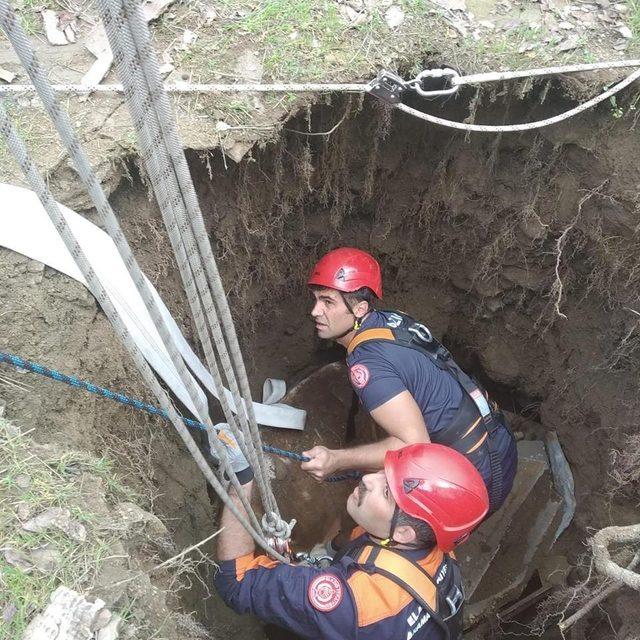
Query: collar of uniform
x: 374, y: 320
x: 434, y: 556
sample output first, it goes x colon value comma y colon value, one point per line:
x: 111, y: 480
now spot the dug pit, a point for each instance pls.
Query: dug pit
x: 520, y: 251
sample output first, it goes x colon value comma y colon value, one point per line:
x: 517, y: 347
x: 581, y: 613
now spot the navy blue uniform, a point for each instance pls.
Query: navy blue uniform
x: 380, y: 370
x: 338, y: 603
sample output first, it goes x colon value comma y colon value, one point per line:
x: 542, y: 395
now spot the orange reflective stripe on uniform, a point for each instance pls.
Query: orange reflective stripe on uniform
x: 370, y: 334
x: 356, y: 532
x: 376, y: 597
x: 471, y: 428
x: 364, y: 556
x: 410, y: 574
x: 251, y: 561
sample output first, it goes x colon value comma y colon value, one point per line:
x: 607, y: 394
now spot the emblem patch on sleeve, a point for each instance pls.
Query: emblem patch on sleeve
x: 359, y: 375
x: 325, y: 592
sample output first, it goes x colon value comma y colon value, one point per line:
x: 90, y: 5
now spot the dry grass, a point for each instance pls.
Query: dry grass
x: 38, y: 477
x: 35, y: 479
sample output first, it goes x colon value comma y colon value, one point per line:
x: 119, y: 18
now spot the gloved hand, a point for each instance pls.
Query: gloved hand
x: 324, y: 550
x: 222, y: 433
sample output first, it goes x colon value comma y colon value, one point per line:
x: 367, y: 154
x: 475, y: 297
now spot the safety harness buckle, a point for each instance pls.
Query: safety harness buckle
x: 421, y: 332
x: 388, y: 86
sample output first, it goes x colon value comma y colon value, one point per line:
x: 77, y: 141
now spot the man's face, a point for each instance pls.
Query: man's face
x: 371, y: 504
x: 332, y: 317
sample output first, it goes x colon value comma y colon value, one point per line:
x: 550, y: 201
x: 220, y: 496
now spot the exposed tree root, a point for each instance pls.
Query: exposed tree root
x: 602, y: 556
x: 558, y: 287
x: 597, y: 599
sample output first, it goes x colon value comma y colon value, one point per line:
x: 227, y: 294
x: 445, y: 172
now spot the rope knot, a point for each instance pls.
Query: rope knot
x: 275, y: 526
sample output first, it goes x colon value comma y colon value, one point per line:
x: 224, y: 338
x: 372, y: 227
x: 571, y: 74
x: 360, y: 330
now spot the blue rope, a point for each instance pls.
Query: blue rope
x: 20, y: 363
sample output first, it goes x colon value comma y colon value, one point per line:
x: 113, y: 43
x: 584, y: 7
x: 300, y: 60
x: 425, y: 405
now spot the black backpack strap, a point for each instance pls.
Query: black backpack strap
x: 451, y: 593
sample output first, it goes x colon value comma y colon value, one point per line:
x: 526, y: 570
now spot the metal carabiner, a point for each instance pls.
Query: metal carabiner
x: 303, y: 557
x: 280, y: 545
x: 447, y: 72
x: 421, y: 332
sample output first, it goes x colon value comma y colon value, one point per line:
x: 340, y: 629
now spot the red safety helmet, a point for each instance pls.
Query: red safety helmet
x: 347, y: 269
x: 440, y: 486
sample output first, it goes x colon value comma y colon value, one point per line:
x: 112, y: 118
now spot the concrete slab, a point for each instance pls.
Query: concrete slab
x: 518, y: 541
x: 508, y: 575
x: 478, y: 553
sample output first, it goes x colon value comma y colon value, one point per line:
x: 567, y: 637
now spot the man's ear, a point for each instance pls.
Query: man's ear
x: 404, y: 534
x: 361, y: 309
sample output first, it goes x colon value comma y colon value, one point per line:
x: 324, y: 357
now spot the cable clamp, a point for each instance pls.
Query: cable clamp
x: 447, y: 74
x: 387, y: 86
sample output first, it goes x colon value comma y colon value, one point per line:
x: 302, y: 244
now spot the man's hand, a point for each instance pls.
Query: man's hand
x: 366, y: 457
x: 322, y: 464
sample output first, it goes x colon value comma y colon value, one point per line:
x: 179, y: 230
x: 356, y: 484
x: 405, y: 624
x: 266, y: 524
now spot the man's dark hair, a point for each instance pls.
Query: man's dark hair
x: 362, y: 294
x: 425, y: 538
x: 352, y: 298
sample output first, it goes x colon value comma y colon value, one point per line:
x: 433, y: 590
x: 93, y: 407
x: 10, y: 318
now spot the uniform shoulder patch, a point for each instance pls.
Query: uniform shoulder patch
x: 325, y: 592
x: 359, y: 374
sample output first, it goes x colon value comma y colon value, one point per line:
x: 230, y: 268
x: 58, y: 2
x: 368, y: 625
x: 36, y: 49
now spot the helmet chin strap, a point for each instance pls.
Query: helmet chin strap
x: 357, y: 323
x: 389, y: 541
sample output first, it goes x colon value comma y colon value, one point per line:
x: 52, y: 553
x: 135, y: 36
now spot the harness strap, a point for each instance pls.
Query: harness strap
x: 407, y: 572
x: 409, y: 575
x: 414, y: 335
x: 418, y: 340
x: 370, y: 334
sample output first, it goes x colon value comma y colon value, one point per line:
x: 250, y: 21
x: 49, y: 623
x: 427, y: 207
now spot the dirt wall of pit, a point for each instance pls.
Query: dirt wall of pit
x: 520, y: 251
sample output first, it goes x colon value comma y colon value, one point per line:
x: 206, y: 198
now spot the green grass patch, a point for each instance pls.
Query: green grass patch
x: 32, y: 481
x: 296, y: 37
x: 300, y: 40
x: 29, y: 13
x: 315, y: 41
x: 634, y: 18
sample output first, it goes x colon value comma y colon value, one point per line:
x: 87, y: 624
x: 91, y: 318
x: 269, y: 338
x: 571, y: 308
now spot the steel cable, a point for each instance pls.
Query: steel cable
x: 511, y: 128
x: 328, y: 87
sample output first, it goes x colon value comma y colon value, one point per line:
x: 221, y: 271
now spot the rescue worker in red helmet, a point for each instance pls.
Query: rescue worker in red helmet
x: 405, y: 379
x: 394, y: 579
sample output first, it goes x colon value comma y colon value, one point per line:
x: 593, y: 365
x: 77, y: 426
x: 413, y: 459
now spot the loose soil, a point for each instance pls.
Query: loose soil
x: 519, y: 251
